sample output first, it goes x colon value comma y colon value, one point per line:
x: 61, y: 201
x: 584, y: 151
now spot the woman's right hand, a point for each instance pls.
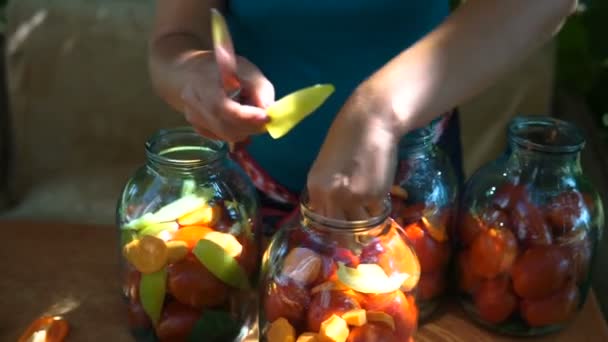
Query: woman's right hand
x: 212, y: 113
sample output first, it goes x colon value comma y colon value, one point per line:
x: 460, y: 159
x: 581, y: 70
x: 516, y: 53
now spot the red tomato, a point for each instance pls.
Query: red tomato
x: 131, y: 285
x: 431, y: 285
x: 469, y: 227
x: 433, y: 256
x: 540, y: 271
x: 468, y: 281
x: 495, y: 218
x: 137, y: 317
x: 401, y: 307
x: 290, y: 301
x: 249, y: 257
x: 508, y: 195
x: 192, y: 284
x: 493, y: 252
x: 346, y: 256
x: 494, y: 300
x: 372, y: 332
x: 578, y: 248
x: 565, y: 211
x: 176, y: 322
x: 529, y: 225
x: 556, y: 308
x: 327, y: 303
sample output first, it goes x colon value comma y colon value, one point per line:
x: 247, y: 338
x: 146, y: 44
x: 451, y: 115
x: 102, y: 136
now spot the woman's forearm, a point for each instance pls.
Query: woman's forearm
x: 479, y: 42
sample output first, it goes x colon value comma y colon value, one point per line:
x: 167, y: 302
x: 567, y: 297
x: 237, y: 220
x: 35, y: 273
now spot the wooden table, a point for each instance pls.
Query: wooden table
x: 72, y: 270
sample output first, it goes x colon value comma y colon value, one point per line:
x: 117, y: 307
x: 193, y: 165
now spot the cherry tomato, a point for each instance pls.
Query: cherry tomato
x: 56, y: 329
x: 529, y: 225
x: 540, y: 271
x: 401, y: 307
x: 468, y: 281
x: 346, y: 256
x: 565, y: 211
x: 431, y: 285
x: 327, y: 303
x: 493, y: 252
x: 433, y: 256
x: 192, y: 284
x: 556, y: 308
x: 372, y: 332
x: 137, y: 317
x: 494, y: 300
x: 288, y: 300
x: 469, y: 227
x: 508, y: 195
x: 176, y: 322
x: 131, y: 283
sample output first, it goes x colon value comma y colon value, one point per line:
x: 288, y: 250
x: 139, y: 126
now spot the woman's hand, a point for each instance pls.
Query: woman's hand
x: 212, y: 113
x: 355, y: 168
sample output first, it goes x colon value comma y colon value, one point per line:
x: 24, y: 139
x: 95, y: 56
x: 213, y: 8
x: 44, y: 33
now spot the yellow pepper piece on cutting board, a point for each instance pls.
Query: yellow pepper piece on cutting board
x: 288, y: 111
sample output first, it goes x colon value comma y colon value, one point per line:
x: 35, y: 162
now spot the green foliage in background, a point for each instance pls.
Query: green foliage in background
x: 582, y: 57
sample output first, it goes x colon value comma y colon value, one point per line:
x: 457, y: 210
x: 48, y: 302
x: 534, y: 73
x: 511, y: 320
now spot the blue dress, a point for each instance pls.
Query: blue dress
x: 299, y: 43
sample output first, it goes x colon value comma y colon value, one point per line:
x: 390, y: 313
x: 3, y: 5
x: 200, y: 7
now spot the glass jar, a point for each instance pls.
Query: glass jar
x: 188, y: 220
x: 339, y: 280
x: 528, y: 230
x: 423, y: 199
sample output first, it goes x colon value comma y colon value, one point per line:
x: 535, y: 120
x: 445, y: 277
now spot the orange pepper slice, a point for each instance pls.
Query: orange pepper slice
x: 46, y: 328
x: 191, y: 235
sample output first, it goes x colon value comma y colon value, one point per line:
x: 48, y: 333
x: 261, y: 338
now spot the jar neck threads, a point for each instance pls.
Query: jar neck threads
x: 544, y: 142
x: 417, y: 141
x: 321, y: 222
x: 183, y: 150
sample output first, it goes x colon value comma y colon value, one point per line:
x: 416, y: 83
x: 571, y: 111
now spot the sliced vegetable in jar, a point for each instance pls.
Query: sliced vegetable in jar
x: 370, y: 278
x: 219, y: 262
x: 159, y: 229
x: 152, y: 290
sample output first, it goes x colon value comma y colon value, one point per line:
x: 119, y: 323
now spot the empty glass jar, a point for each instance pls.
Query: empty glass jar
x: 339, y: 281
x: 188, y: 223
x: 528, y: 231
x: 423, y: 201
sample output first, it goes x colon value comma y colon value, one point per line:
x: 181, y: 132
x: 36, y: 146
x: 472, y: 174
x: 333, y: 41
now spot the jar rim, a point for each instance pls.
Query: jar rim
x: 545, y: 134
x: 343, y: 225
x: 418, y: 137
x: 183, y: 147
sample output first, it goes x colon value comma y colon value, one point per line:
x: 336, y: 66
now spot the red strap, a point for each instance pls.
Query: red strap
x: 261, y: 179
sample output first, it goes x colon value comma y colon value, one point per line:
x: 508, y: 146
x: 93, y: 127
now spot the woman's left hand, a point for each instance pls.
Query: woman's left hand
x: 355, y: 168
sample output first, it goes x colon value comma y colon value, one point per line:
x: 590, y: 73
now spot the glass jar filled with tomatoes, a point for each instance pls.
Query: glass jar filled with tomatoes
x: 188, y: 221
x: 423, y: 199
x: 528, y: 230
x: 332, y: 280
